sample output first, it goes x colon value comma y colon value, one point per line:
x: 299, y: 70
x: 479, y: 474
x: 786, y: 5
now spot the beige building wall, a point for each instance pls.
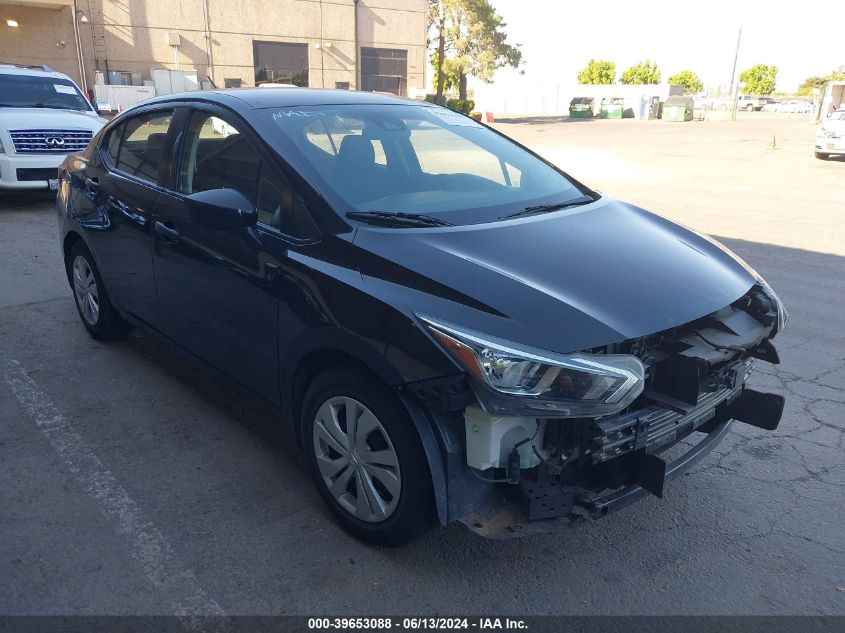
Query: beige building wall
x: 216, y: 36
x: 43, y: 37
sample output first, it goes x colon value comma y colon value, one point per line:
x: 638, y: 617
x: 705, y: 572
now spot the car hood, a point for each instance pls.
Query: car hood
x: 560, y: 281
x: 28, y: 118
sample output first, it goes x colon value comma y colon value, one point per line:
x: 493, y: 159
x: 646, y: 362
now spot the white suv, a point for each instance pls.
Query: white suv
x: 43, y: 118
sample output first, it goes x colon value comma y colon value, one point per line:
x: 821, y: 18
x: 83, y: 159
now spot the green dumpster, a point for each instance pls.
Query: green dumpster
x: 678, y: 108
x: 581, y: 108
x: 611, y: 108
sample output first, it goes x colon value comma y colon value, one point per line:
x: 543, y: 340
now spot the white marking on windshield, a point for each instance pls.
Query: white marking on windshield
x: 282, y: 114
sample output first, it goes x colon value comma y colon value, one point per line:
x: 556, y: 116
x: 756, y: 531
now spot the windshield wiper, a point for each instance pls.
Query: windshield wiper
x: 396, y: 218
x: 555, y: 206
x: 40, y: 105
x: 54, y: 107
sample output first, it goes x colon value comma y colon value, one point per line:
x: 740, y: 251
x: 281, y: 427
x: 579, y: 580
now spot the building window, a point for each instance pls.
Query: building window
x: 384, y: 70
x: 280, y: 62
x: 232, y: 83
x: 341, y: 85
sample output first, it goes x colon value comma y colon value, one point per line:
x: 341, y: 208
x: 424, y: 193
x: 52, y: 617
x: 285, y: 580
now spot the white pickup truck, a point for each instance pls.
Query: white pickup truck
x: 752, y: 104
x: 43, y: 118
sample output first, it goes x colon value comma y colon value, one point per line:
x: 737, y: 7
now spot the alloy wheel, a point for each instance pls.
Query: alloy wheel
x: 356, y: 459
x: 85, y: 290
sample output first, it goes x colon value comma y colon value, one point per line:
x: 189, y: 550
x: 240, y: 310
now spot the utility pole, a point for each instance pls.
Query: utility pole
x: 734, y: 79
x: 78, y: 16
x: 736, y: 56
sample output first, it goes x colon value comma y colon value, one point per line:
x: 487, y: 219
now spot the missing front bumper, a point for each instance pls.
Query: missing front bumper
x: 507, y: 515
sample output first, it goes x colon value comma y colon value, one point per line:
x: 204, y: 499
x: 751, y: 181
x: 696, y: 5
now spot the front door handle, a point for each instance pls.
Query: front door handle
x: 167, y: 232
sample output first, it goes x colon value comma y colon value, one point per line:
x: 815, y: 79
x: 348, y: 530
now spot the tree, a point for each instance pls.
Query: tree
x: 448, y: 74
x: 598, y: 71
x: 645, y: 72
x: 810, y: 83
x: 689, y: 80
x: 471, y: 41
x: 759, y: 79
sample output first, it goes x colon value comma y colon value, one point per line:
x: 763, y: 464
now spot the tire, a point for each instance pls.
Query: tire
x: 749, y: 108
x: 383, y: 499
x: 821, y: 155
x: 92, y: 301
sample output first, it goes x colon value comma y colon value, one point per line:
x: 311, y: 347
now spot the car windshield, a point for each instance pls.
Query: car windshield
x: 839, y: 115
x: 416, y: 159
x: 27, y: 91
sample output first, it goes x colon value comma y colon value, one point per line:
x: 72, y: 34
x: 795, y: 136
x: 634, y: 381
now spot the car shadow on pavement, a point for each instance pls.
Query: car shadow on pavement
x: 248, y: 411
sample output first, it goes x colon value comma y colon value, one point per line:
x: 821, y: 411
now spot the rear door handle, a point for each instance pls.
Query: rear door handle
x: 167, y: 232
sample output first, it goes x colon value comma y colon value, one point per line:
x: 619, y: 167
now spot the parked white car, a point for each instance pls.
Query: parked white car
x: 830, y: 139
x: 794, y: 107
x: 43, y: 118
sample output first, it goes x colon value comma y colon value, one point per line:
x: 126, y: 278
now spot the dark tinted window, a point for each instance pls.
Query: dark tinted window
x: 142, y: 148
x: 215, y: 155
x: 280, y: 207
x: 280, y: 62
x: 384, y: 70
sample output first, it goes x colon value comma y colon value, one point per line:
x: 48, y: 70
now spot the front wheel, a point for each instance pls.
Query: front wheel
x: 749, y: 108
x: 366, y: 458
x: 95, y: 309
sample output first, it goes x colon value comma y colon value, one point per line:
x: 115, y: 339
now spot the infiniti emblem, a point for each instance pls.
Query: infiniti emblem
x: 54, y: 141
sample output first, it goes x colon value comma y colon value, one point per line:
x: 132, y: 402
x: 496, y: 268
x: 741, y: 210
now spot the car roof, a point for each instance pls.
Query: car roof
x: 258, y: 99
x: 11, y: 69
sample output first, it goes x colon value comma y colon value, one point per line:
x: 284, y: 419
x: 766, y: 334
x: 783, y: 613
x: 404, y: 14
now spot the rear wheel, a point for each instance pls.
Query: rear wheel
x: 366, y: 458
x: 95, y: 309
x: 822, y: 155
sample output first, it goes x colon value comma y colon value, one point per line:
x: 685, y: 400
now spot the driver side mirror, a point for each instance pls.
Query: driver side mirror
x: 222, y: 209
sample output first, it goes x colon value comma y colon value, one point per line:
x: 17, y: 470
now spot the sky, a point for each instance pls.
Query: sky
x: 559, y: 37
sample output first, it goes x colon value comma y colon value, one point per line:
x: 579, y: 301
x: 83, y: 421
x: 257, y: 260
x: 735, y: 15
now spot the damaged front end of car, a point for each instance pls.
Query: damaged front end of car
x: 563, y: 438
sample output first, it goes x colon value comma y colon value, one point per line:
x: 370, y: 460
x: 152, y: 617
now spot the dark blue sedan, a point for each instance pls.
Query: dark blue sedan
x: 454, y: 328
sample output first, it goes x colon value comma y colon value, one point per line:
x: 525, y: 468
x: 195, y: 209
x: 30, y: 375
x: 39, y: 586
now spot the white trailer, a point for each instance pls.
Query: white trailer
x: 832, y: 99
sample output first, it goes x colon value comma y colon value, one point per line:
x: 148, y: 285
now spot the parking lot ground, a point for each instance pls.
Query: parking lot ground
x: 134, y: 483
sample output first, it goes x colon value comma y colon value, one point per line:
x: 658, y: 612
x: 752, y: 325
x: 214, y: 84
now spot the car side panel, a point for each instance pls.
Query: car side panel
x: 113, y: 213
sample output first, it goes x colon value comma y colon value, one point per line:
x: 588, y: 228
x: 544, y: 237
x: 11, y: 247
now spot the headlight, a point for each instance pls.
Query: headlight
x: 514, y: 380
x: 782, y: 314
